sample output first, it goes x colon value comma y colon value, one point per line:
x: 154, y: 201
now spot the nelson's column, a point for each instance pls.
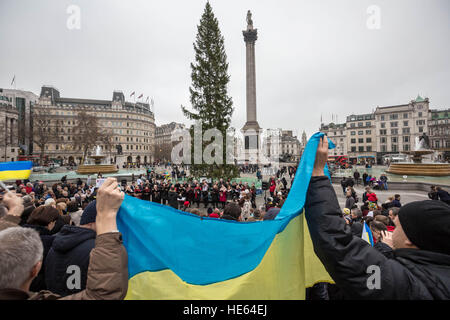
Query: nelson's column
x: 251, y: 129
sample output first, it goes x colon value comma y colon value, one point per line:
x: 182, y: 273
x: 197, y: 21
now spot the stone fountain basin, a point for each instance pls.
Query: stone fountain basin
x: 97, y: 168
x: 420, y: 169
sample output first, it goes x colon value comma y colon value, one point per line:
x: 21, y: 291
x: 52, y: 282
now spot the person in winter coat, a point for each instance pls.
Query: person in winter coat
x: 356, y: 176
x: 43, y: 220
x: 420, y: 268
x: 372, y: 197
x: 443, y: 195
x: 74, y: 212
x: 349, y: 201
x: 108, y: 270
x: 173, y: 198
x: 396, y: 202
x: 71, y: 247
x: 433, y: 195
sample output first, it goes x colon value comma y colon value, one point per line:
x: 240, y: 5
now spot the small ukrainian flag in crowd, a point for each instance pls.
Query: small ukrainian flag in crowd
x: 367, y: 234
x: 15, y: 170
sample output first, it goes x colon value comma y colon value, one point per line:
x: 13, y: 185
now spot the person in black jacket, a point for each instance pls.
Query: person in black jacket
x: 69, y: 255
x: 173, y: 198
x: 443, y: 195
x: 43, y: 220
x: 420, y: 268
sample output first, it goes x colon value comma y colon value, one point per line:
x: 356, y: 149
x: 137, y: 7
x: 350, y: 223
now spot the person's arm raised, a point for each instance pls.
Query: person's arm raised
x: 108, y: 265
x: 14, y: 203
x: 346, y: 258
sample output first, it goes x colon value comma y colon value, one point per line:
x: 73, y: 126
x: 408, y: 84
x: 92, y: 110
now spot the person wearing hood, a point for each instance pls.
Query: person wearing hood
x: 71, y: 247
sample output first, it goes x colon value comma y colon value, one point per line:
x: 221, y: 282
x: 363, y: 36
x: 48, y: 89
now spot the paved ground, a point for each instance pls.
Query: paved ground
x: 406, y: 196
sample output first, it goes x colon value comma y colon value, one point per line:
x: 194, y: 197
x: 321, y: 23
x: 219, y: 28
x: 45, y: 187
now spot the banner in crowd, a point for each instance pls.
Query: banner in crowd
x: 15, y: 170
x: 178, y: 255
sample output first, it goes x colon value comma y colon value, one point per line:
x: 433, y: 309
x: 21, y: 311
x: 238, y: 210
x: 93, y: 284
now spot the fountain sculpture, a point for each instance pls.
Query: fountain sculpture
x: 417, y: 167
x: 97, y: 167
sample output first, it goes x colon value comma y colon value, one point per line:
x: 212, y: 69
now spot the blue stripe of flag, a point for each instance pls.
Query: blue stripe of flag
x: 16, y: 165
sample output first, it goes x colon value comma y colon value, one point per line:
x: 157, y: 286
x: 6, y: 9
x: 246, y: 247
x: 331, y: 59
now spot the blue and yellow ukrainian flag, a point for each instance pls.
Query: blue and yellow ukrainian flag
x: 367, y: 234
x: 178, y: 255
x: 15, y: 170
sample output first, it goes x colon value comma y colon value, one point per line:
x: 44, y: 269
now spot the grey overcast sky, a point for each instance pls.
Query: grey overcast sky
x: 313, y: 57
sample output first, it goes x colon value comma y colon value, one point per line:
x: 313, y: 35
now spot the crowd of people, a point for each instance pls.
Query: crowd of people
x: 64, y: 215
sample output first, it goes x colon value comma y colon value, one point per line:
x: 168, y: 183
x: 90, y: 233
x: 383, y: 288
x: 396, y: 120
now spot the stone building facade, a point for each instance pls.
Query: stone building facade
x: 281, y: 144
x: 398, y: 126
x: 132, y: 126
x: 337, y: 132
x: 361, y: 146
x: 439, y: 132
x: 9, y: 143
x: 390, y: 130
x: 164, y: 132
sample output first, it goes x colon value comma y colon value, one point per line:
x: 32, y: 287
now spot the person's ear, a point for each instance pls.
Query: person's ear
x: 35, y: 270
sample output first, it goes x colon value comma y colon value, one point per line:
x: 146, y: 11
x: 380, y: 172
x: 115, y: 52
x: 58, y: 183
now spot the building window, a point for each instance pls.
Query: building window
x: 353, y: 133
x: 406, y: 147
x: 382, y: 118
x: 353, y: 149
x: 394, y: 131
x: 383, y: 132
x: 405, y: 130
x: 383, y: 125
x: 368, y: 131
x: 394, y: 139
x: 394, y: 148
x: 405, y: 116
x: 405, y: 138
x: 420, y: 122
x: 420, y: 129
x: 383, y: 140
x: 353, y: 140
x: 361, y: 149
x: 360, y: 124
x: 394, y: 124
x: 368, y: 140
x: 420, y: 114
x: 369, y: 148
x: 405, y: 123
x: 352, y: 125
x: 383, y: 148
x: 360, y: 140
x: 368, y: 124
x: 393, y: 116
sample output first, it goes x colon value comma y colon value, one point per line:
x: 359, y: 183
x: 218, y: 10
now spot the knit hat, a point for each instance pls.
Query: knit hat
x: 186, y: 204
x: 346, y: 211
x: 89, y: 214
x: 427, y: 224
x: 210, y: 210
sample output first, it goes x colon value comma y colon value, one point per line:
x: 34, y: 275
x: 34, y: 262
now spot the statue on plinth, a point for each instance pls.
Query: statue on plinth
x: 249, y: 20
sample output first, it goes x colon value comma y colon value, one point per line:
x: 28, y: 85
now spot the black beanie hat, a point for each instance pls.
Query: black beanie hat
x: 427, y: 224
x: 89, y: 214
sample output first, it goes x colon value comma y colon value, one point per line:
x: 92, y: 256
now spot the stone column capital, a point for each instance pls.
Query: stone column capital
x: 250, y: 35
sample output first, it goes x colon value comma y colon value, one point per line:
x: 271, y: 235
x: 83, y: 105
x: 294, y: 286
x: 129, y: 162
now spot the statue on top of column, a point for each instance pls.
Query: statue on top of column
x: 249, y: 20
